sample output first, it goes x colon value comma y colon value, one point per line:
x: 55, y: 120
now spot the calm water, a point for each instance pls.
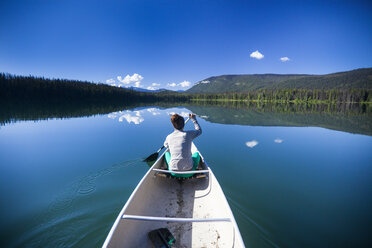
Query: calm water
x: 63, y: 181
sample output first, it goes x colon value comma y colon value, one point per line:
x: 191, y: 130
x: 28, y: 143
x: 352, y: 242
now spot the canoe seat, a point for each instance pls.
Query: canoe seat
x: 168, y: 175
x: 196, y: 162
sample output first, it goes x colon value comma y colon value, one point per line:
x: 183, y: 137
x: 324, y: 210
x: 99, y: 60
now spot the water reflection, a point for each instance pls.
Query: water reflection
x: 353, y: 118
x: 131, y: 116
x: 112, y: 115
x: 153, y: 111
x: 278, y: 141
x: 138, y: 116
x: 134, y: 117
x: 182, y: 113
x: 252, y: 143
x: 50, y: 217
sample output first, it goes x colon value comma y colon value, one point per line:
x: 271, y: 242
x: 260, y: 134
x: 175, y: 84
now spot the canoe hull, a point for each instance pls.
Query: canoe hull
x: 190, y: 199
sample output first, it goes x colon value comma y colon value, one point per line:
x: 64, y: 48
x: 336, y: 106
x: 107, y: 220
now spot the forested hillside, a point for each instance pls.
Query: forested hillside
x: 31, y: 89
x: 35, y: 91
x: 291, y: 95
x: 355, y: 79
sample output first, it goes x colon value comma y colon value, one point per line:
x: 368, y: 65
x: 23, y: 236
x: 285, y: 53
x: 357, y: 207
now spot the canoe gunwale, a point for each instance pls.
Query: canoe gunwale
x: 173, y: 219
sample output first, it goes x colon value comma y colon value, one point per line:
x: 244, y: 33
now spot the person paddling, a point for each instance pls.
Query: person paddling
x: 179, y: 157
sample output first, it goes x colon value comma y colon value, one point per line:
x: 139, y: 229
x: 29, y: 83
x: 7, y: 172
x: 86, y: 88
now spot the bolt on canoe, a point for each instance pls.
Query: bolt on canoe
x: 195, y: 210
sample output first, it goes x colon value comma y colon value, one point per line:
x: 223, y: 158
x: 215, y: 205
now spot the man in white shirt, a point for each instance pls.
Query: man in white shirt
x: 179, y: 142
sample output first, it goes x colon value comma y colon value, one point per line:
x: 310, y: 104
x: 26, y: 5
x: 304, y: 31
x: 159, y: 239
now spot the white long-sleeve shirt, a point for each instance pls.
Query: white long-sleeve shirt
x: 179, y: 144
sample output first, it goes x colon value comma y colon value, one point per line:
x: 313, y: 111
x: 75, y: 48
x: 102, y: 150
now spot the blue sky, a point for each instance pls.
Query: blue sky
x: 177, y: 43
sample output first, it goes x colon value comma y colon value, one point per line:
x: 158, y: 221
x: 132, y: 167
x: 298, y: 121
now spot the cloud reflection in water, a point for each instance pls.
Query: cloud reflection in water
x: 153, y: 111
x: 278, y: 141
x: 183, y: 113
x: 136, y: 118
x: 251, y: 144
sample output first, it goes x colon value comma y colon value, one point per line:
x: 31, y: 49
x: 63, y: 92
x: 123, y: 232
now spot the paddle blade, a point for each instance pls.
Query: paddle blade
x: 152, y: 157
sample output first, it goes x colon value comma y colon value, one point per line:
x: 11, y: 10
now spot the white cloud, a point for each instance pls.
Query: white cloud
x: 125, y: 80
x: 137, y: 77
x: 252, y: 143
x: 130, y: 79
x: 184, y: 84
x: 203, y: 82
x: 115, y: 85
x: 257, y: 55
x: 284, y: 59
x: 110, y: 81
x: 138, y: 84
x: 136, y: 119
x: 278, y: 141
x: 153, y: 86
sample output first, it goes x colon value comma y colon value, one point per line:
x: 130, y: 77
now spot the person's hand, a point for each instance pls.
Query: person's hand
x: 192, y: 116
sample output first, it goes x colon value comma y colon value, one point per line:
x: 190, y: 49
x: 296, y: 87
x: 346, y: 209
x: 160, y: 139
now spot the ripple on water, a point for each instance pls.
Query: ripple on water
x: 68, y: 214
x: 86, y: 187
x: 242, y: 211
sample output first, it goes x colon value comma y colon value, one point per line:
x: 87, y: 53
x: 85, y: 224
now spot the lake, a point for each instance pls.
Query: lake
x: 295, y: 176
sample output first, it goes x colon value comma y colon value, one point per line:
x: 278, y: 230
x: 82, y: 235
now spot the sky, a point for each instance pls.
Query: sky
x: 174, y: 44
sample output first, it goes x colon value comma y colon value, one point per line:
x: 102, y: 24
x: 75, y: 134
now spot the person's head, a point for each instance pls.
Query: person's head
x: 177, y: 121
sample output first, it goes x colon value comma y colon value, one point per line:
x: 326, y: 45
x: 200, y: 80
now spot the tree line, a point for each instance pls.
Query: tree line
x: 42, y: 90
x: 39, y: 90
x: 292, y: 95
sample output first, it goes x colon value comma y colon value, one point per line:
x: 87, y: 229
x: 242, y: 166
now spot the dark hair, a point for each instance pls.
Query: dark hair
x: 177, y: 121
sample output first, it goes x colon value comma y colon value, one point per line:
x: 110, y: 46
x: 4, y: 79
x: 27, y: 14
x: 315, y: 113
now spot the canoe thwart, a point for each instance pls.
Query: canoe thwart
x: 201, y: 176
x: 172, y: 219
x: 182, y: 172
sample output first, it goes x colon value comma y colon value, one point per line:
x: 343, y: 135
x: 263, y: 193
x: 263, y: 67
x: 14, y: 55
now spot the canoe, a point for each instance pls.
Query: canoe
x: 195, y: 211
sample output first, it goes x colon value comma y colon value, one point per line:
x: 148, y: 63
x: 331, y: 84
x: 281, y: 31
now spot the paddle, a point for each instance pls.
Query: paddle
x: 155, y: 155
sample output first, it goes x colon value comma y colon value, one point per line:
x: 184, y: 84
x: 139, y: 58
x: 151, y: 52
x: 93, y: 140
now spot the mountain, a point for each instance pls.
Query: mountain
x: 355, y: 79
x: 154, y: 91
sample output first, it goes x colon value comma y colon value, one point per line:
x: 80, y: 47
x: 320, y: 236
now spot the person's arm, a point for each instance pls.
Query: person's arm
x: 195, y: 133
x: 166, y: 142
